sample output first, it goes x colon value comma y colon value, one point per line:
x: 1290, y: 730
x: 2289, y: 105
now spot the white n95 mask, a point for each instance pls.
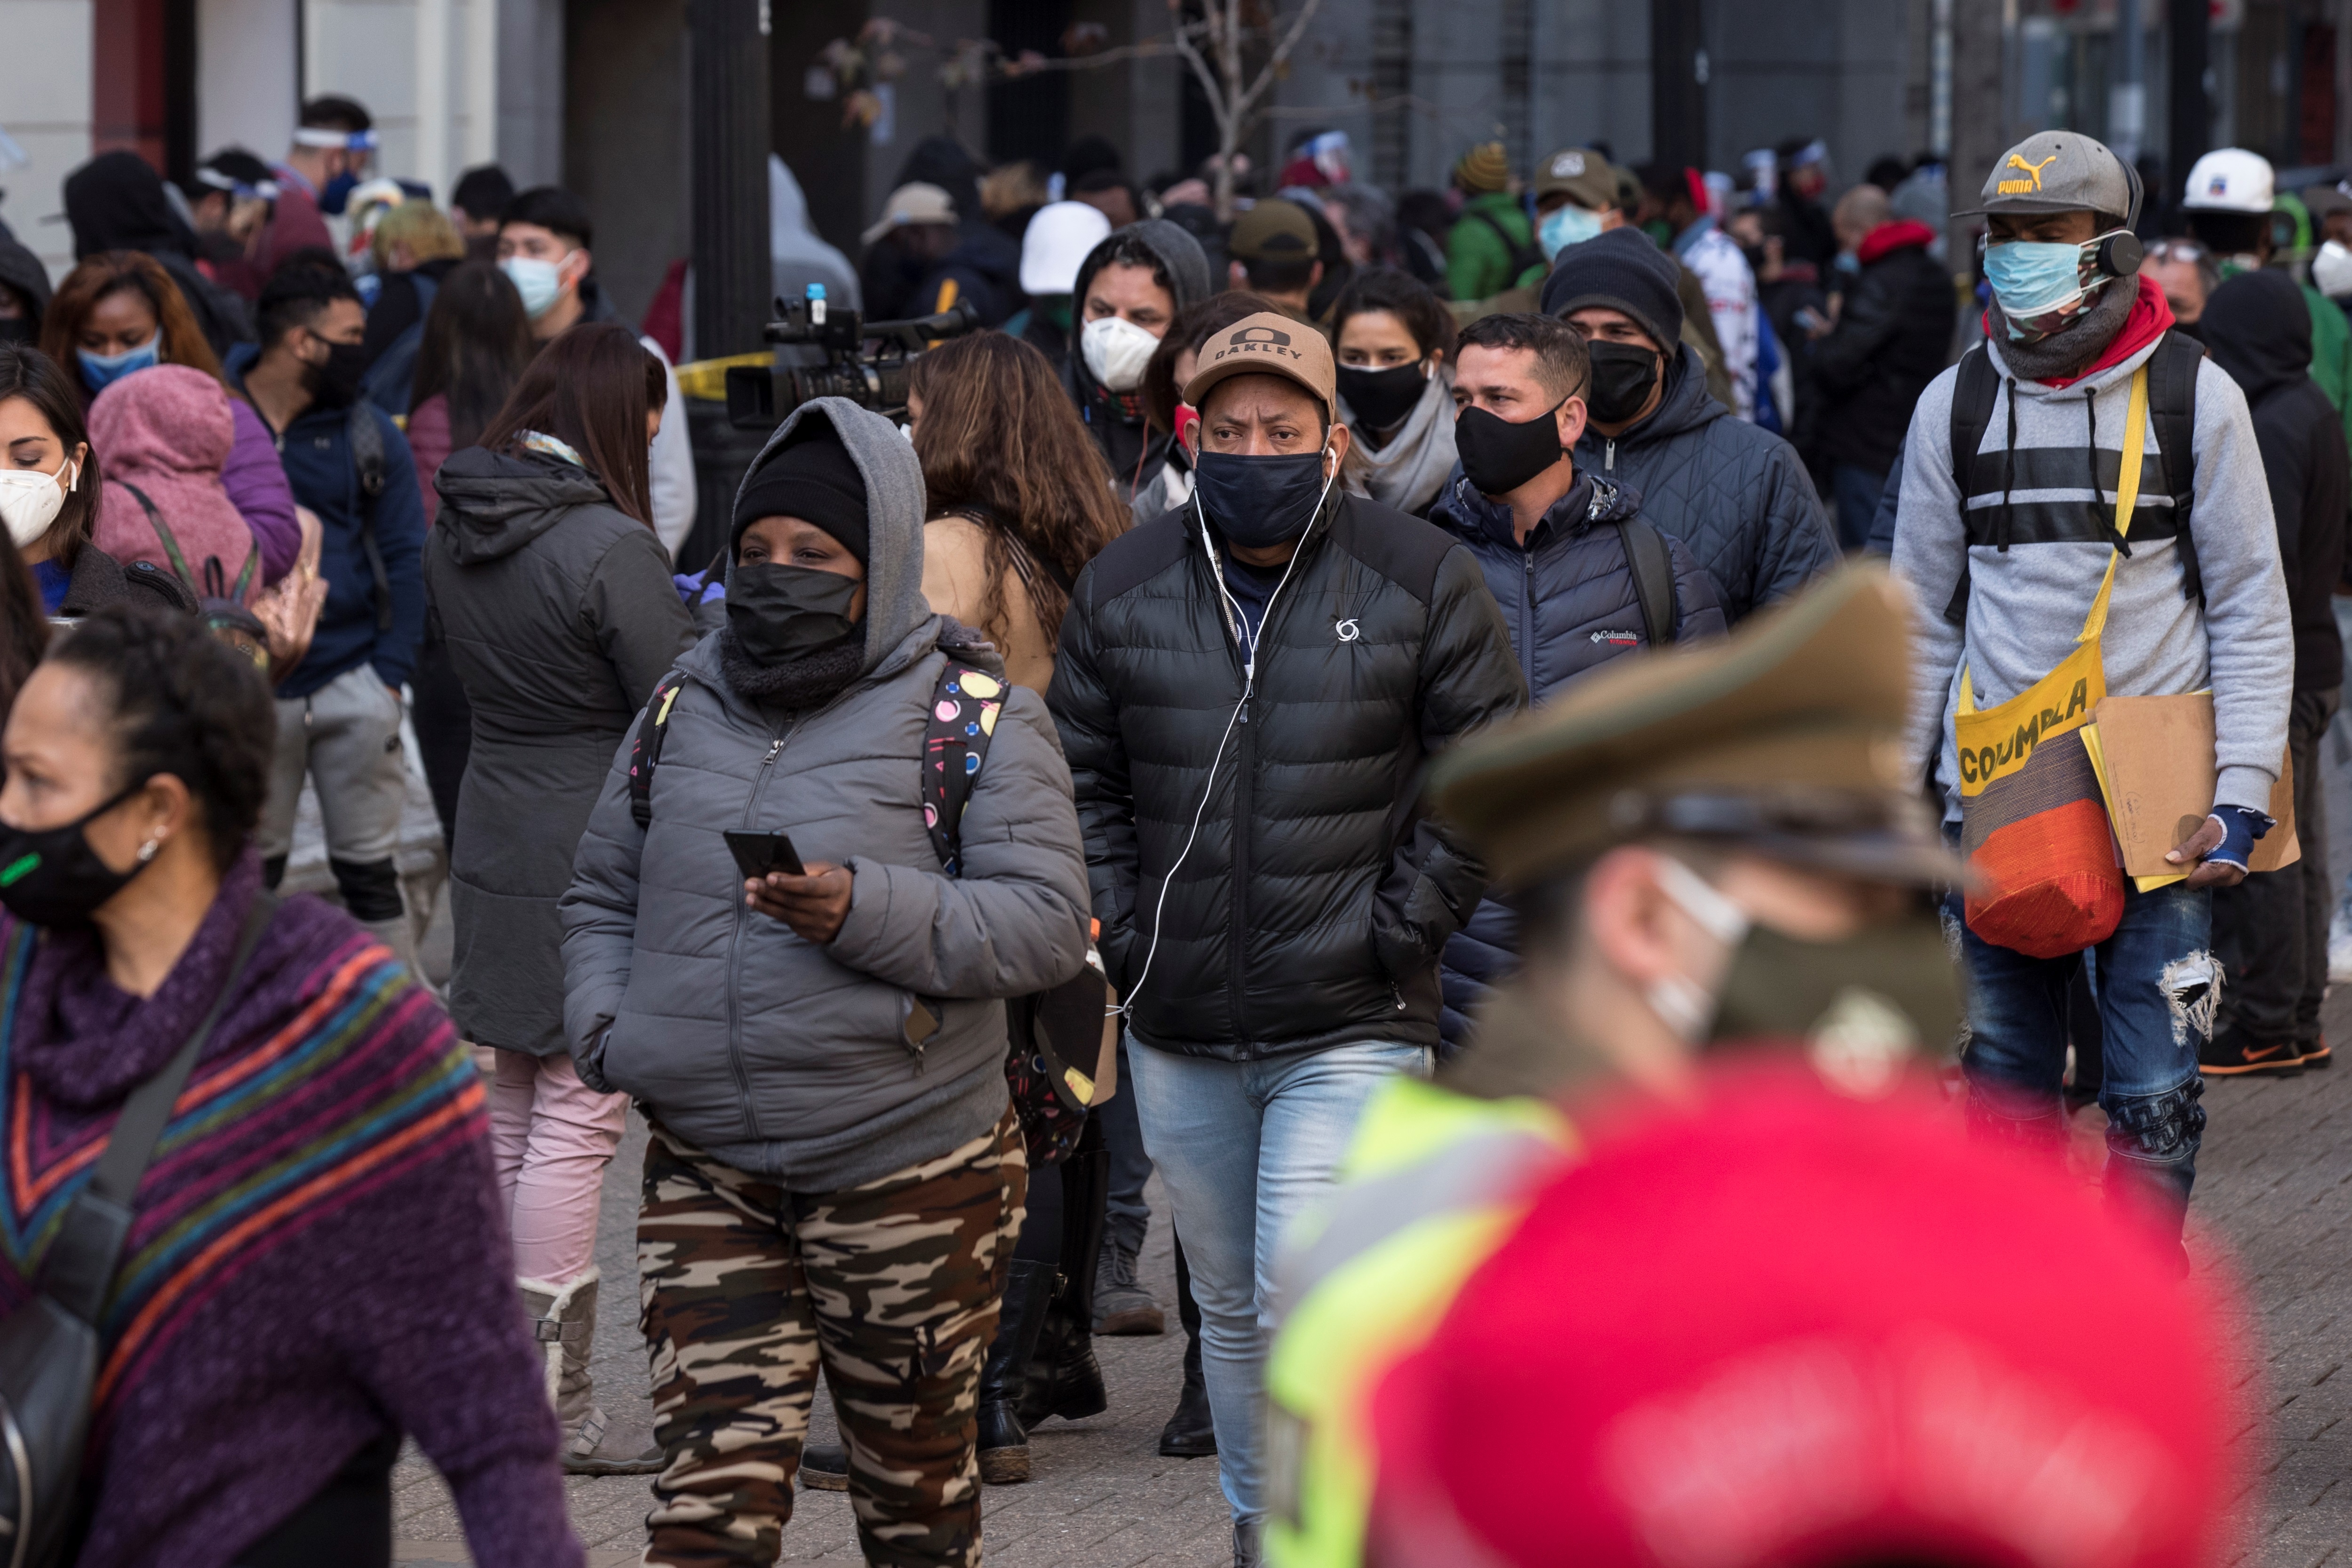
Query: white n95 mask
x: 1117, y: 350
x: 30, y: 499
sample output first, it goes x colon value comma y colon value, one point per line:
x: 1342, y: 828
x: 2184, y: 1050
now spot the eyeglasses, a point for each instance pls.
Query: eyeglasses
x: 2182, y: 250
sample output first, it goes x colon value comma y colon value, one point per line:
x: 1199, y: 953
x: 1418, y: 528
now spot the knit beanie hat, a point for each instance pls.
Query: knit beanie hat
x: 1486, y: 167
x: 1622, y: 270
x: 812, y: 478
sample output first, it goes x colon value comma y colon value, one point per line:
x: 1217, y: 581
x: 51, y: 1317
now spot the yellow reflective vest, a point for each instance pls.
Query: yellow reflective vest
x: 1431, y: 1186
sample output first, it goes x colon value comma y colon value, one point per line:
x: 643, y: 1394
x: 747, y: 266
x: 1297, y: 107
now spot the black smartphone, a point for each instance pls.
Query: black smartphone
x: 757, y: 853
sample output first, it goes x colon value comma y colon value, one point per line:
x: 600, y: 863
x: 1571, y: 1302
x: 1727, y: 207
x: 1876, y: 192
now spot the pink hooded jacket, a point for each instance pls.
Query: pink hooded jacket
x: 167, y: 431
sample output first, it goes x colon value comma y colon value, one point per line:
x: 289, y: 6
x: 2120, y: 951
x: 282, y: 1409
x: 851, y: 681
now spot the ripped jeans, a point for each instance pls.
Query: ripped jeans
x: 2158, y: 987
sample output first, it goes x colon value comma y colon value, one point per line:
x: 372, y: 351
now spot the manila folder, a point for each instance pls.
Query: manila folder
x: 2159, y: 763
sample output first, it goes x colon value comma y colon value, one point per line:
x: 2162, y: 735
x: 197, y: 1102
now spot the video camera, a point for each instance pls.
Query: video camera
x: 759, y: 396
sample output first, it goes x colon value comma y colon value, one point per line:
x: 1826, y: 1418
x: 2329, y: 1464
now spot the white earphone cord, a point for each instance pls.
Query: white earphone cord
x: 1249, y: 685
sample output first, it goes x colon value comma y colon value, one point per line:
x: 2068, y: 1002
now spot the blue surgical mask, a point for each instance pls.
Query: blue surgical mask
x: 2035, y: 279
x: 539, y: 282
x: 101, y: 371
x: 338, y: 194
x: 1566, y: 224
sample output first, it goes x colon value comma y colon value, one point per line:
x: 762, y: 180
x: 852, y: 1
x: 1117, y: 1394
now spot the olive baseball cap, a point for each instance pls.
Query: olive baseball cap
x: 1273, y: 230
x: 1784, y: 739
x: 1267, y: 343
x: 1581, y: 174
x: 2059, y: 172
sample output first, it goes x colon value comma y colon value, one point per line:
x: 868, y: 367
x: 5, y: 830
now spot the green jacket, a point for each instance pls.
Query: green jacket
x: 1479, y: 259
x: 2331, y: 352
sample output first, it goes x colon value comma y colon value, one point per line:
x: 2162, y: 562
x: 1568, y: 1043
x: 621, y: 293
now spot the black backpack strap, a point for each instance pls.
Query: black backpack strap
x: 79, y: 1270
x: 1524, y: 254
x: 1652, y: 567
x: 2172, y: 410
x: 645, y: 751
x: 367, y: 457
x: 956, y: 733
x: 1974, y: 392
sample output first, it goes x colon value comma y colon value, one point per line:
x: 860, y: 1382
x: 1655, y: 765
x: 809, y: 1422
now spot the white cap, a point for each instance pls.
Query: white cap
x: 2231, y: 181
x: 1056, y: 240
x: 912, y: 204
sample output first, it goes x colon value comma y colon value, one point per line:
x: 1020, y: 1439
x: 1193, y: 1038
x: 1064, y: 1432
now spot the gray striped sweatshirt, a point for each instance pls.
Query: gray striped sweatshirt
x: 2026, y: 605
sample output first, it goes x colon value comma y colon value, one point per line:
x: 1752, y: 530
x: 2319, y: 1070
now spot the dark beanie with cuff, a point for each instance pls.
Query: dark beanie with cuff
x: 1622, y: 270
x: 815, y: 479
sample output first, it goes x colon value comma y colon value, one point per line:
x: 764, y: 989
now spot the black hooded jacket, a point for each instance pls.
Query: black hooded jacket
x: 1115, y: 420
x: 115, y: 202
x: 22, y: 273
x: 2257, y: 328
x: 1316, y: 896
x: 1736, y: 494
x: 1892, y: 338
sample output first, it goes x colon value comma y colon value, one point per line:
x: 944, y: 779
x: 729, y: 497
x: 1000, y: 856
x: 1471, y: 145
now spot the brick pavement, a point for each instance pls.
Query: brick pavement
x: 2274, y: 1193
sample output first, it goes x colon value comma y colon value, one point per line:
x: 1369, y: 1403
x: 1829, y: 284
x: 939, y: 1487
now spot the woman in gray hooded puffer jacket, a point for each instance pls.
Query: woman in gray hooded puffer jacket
x: 821, y: 1056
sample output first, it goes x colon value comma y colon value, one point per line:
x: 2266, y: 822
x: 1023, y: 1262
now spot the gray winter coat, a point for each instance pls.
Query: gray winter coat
x: 559, y: 616
x: 1738, y: 495
x: 788, y: 1058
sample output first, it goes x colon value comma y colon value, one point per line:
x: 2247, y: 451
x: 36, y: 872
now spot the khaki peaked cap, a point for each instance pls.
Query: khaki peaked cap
x: 1788, y: 732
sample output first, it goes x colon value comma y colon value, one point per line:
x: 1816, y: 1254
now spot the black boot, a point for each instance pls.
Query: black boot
x: 1003, y: 1441
x: 825, y: 1467
x: 1190, y: 1434
x: 1064, y: 1379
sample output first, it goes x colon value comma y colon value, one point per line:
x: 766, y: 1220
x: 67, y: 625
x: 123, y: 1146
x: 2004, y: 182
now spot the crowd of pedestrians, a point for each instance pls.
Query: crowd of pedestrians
x: 1358, y: 711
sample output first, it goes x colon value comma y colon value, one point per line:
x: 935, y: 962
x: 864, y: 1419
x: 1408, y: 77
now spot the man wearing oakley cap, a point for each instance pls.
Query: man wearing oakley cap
x: 2229, y: 202
x: 1712, y: 848
x: 2005, y: 544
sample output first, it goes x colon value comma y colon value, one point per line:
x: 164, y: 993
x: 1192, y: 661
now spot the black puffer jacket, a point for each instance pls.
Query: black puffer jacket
x: 1569, y: 600
x: 1894, y: 336
x: 1320, y: 922
x: 1738, y: 496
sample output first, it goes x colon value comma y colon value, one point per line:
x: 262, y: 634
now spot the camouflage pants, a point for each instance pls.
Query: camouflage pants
x: 894, y: 1286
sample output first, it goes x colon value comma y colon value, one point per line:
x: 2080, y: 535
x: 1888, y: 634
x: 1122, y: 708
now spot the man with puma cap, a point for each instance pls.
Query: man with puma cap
x: 1249, y: 689
x: 2007, y: 521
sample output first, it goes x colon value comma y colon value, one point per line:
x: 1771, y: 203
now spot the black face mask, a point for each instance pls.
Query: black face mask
x: 1259, y: 501
x: 1498, y: 456
x: 336, y: 384
x: 1381, y: 398
x: 1623, y: 376
x: 51, y: 876
x: 779, y: 613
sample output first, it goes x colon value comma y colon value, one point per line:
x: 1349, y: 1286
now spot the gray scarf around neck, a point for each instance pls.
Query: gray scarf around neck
x: 2064, y: 354
x: 796, y: 684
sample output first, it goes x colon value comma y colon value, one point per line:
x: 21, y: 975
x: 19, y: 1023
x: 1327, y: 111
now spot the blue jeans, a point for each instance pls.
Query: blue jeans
x: 1854, y: 490
x: 2156, y: 990
x: 1241, y: 1148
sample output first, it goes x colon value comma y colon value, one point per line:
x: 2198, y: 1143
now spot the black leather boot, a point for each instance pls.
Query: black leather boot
x: 1190, y: 1433
x: 1064, y: 1379
x: 1003, y: 1439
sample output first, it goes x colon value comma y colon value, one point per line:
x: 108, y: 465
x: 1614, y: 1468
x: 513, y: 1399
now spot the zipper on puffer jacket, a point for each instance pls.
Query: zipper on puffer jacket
x: 735, y: 950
